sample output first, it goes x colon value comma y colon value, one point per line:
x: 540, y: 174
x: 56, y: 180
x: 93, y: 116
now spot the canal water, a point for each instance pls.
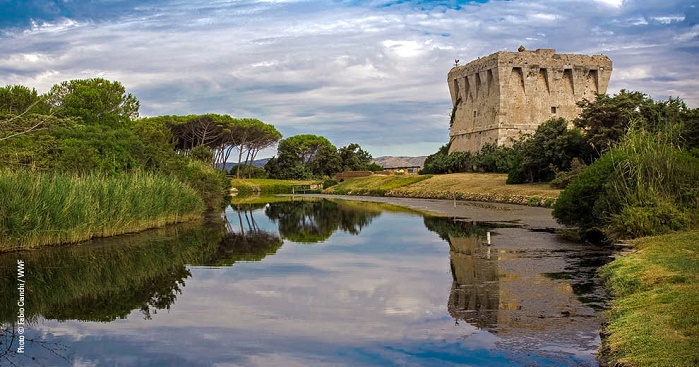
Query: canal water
x: 308, y: 282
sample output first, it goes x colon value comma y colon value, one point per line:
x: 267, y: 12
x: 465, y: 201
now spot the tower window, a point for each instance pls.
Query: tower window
x: 553, y: 110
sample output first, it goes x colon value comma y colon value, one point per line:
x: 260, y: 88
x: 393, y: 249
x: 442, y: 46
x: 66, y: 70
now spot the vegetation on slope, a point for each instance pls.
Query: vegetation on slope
x: 550, y: 151
x: 654, y: 321
x: 373, y: 185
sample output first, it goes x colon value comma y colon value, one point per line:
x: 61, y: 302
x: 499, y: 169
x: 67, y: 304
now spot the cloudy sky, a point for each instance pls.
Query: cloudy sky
x: 371, y: 72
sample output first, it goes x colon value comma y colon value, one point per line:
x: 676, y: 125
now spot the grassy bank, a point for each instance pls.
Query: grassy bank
x: 266, y: 186
x: 488, y: 187
x: 654, y: 321
x: 47, y: 209
x: 376, y: 185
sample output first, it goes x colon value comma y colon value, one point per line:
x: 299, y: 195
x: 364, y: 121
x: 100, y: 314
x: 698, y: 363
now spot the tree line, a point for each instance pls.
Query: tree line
x: 93, y: 125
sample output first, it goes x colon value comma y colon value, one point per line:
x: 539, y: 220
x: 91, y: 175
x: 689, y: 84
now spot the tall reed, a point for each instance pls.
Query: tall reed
x: 653, y: 187
x: 43, y: 209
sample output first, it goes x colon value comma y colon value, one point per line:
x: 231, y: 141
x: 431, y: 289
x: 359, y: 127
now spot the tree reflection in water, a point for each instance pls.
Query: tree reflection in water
x: 244, y: 242
x: 316, y: 221
x: 106, y: 279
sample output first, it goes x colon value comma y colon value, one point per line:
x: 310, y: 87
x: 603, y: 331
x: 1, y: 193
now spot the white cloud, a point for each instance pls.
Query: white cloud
x: 611, y: 3
x: 669, y: 19
x: 635, y: 72
x: 688, y: 35
x: 313, y: 66
x: 403, y: 48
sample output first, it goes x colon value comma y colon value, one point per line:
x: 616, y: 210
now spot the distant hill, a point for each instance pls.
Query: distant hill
x: 396, y: 162
x: 257, y: 163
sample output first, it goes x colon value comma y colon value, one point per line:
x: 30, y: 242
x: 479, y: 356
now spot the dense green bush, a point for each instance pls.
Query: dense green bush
x: 328, y: 183
x: 443, y: 162
x: 494, y: 158
x: 580, y: 204
x: 201, y: 153
x: 644, y: 186
x: 211, y: 184
x: 550, y: 149
x: 656, y: 185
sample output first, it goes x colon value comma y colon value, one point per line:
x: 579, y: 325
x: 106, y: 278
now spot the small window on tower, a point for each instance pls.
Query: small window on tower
x: 474, y: 114
x: 553, y: 110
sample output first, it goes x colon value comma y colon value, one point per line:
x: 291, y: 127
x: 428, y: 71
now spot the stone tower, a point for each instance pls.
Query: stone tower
x: 506, y: 94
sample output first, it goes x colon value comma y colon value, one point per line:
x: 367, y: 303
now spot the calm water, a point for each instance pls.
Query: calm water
x: 307, y: 283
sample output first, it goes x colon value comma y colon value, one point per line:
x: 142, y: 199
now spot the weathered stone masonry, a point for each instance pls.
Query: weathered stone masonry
x: 505, y: 94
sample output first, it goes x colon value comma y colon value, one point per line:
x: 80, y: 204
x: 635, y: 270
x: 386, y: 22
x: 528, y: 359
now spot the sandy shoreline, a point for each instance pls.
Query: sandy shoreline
x: 527, y: 216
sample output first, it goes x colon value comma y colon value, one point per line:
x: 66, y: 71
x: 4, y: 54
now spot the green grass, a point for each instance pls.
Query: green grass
x: 373, y: 185
x: 489, y: 187
x: 252, y: 199
x: 654, y: 321
x: 266, y: 186
x: 45, y: 209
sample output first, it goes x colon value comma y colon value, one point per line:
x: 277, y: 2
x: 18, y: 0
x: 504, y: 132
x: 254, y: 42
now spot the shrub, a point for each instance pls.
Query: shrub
x: 578, y: 204
x: 202, y: 153
x: 210, y: 183
x: 328, y: 183
x: 534, y: 201
x: 516, y: 175
x: 644, y: 186
x: 636, y: 221
x: 494, y: 158
x: 443, y: 162
x: 564, y: 178
x: 550, y: 149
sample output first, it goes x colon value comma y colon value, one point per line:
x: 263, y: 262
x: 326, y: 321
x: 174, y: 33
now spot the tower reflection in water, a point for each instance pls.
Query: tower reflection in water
x: 526, y: 283
x: 474, y: 295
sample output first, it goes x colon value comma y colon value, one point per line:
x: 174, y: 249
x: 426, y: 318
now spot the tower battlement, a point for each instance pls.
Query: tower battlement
x: 506, y: 94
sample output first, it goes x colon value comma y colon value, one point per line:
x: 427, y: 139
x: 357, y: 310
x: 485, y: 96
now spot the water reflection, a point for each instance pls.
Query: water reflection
x: 244, y: 240
x: 316, y: 221
x: 382, y: 290
x: 106, y: 279
x: 101, y: 280
x: 475, y: 291
x: 523, y: 287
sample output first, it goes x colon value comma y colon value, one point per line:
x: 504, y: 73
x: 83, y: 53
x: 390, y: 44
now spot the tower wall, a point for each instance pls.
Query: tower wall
x: 506, y: 94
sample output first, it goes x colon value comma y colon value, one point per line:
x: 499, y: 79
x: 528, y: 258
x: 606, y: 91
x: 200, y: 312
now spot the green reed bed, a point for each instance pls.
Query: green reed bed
x: 45, y: 209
